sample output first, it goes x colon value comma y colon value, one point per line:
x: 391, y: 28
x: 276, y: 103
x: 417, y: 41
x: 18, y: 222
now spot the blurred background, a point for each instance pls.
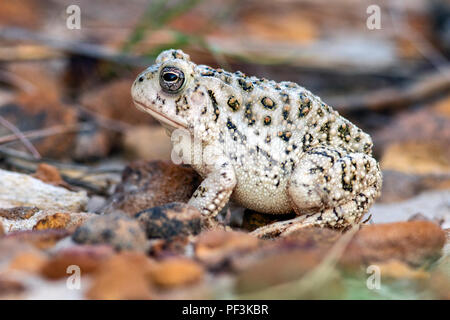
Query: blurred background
x: 66, y: 118
x: 65, y: 92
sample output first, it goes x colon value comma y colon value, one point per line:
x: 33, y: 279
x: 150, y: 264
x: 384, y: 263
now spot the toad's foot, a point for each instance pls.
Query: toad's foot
x: 215, y: 190
x: 284, y: 228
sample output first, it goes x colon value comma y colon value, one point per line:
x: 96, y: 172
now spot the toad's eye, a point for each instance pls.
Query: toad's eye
x: 171, y: 79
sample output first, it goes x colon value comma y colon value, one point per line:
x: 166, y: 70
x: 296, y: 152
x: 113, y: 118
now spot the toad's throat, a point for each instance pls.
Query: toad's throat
x: 165, y: 120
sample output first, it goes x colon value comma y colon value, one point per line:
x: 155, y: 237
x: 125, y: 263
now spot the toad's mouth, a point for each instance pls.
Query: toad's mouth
x: 159, y: 116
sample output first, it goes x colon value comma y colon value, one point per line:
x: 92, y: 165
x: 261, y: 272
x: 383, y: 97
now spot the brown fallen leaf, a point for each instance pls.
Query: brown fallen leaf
x: 123, y: 276
x: 49, y: 174
x: 276, y: 268
x: 88, y: 258
x: 412, y: 242
x: 394, y: 269
x: 28, y: 261
x: 10, y: 288
x: 174, y: 272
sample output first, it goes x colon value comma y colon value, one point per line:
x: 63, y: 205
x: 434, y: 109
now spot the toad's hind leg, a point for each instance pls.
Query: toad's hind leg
x: 329, y: 188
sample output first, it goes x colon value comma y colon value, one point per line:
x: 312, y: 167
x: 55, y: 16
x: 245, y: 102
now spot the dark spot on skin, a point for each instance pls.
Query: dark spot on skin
x: 284, y: 97
x: 320, y: 112
x: 344, y: 131
x: 346, y: 186
x: 268, y: 103
x: 234, y: 132
x: 141, y: 78
x: 208, y: 74
x: 268, y: 139
x: 285, y: 112
x: 249, y: 115
x: 306, y: 140
x: 315, y: 169
x: 267, y: 120
x: 326, y: 129
x: 214, y: 104
x: 233, y: 103
x: 245, y: 85
x: 323, y: 154
x: 285, y: 135
x: 304, y: 109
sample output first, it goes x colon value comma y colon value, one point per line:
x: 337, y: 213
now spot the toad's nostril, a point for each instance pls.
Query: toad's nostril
x: 141, y: 78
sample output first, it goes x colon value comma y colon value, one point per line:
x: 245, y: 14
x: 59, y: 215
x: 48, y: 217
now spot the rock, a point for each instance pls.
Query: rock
x: 433, y: 205
x: 150, y: 184
x: 25, y: 218
x: 176, y: 272
x: 17, y: 213
x: 412, y: 242
x: 18, y: 189
x: 119, y: 231
x: 171, y: 220
x: 147, y: 143
x: 87, y: 257
x: 56, y: 221
x: 399, y: 186
x: 123, y: 276
x: 69, y: 221
x: 215, y: 247
x: 41, y: 239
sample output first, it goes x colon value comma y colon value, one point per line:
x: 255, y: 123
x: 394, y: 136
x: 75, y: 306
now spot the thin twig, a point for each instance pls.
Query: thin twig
x: 74, y: 47
x: 11, y: 153
x: 16, y: 81
x: 426, y: 87
x: 403, y: 29
x: 41, y: 133
x: 19, y: 135
x: 105, y: 122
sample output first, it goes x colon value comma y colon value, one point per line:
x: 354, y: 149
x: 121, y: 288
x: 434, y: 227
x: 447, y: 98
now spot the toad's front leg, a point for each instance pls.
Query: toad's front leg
x: 215, y: 190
